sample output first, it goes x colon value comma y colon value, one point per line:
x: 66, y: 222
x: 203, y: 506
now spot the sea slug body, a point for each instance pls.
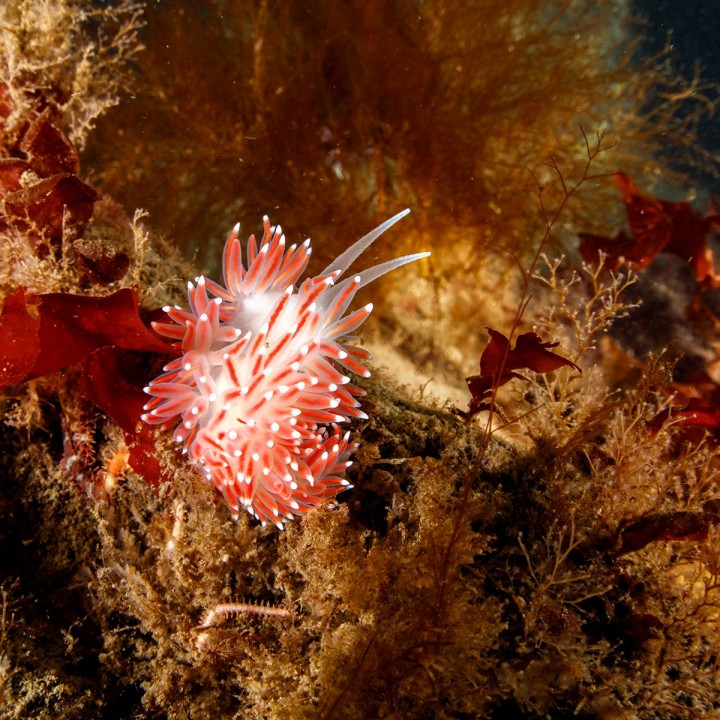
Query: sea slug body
x: 261, y: 385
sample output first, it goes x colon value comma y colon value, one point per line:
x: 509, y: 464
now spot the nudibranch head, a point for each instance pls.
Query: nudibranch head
x: 261, y: 384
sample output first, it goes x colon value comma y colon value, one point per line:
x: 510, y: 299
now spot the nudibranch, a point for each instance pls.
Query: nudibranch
x: 260, y: 386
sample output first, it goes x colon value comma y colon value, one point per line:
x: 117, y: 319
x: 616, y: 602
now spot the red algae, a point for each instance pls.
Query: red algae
x: 552, y: 551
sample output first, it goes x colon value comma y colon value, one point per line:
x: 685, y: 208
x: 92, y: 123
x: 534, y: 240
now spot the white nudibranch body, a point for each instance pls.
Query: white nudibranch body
x: 260, y: 386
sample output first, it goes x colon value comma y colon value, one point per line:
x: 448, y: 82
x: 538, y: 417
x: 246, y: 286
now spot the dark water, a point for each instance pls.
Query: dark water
x: 692, y: 28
